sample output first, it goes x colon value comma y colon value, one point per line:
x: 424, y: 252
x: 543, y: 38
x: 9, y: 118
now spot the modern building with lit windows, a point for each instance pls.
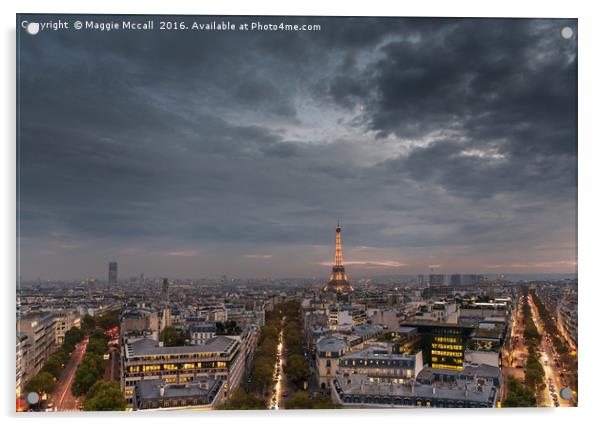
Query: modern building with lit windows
x: 443, y: 344
x: 219, y: 358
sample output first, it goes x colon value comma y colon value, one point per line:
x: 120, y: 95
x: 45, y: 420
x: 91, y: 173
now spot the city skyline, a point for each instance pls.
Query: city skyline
x: 294, y: 213
x: 233, y: 155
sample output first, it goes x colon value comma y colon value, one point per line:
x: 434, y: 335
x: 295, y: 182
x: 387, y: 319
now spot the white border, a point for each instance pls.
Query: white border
x: 590, y: 180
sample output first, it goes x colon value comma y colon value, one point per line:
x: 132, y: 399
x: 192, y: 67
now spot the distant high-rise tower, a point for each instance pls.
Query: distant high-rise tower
x: 436, y: 280
x: 421, y: 280
x: 455, y: 280
x: 165, y: 290
x: 91, y: 283
x: 112, y: 273
x: 338, y: 278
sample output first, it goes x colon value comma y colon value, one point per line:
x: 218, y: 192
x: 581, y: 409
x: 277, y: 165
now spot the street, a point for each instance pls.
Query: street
x: 281, y: 388
x: 61, y: 397
x: 553, y: 380
x: 276, y: 401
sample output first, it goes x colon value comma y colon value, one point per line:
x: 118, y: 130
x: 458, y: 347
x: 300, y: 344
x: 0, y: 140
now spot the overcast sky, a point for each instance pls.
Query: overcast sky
x: 450, y: 143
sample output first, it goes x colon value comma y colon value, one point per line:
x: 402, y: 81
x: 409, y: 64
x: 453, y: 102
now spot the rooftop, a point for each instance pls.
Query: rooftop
x: 358, y: 384
x: 366, y: 330
x: 149, y: 347
x: 494, y: 332
x: 379, y: 352
x: 331, y: 344
x: 199, y: 387
x: 404, y: 330
x: 203, y: 327
x: 470, y: 373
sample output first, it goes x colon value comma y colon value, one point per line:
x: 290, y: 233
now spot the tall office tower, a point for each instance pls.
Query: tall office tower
x: 165, y: 290
x: 338, y: 278
x: 436, y: 279
x: 471, y: 280
x: 455, y: 280
x: 91, y: 283
x: 112, y: 273
x: 421, y: 280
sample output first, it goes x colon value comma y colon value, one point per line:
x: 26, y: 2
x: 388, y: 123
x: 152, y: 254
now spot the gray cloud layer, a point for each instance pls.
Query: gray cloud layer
x: 447, y: 141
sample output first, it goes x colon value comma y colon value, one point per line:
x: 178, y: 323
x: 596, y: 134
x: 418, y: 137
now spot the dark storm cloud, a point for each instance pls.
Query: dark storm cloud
x: 504, y: 88
x: 428, y: 134
x: 256, y: 93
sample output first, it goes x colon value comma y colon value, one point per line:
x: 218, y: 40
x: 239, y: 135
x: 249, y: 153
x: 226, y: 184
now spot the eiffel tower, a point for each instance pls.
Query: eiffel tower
x: 338, y: 281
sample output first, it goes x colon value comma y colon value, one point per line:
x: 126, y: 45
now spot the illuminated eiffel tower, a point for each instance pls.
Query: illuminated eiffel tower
x: 338, y: 281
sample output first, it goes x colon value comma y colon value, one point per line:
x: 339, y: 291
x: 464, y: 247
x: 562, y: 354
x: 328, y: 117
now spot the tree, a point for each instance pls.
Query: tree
x: 88, y: 323
x: 299, y: 400
x: 263, y: 373
x: 269, y: 331
x: 534, y: 373
x: 97, y: 346
x: 519, y: 395
x: 322, y: 403
x: 240, y: 400
x: 98, y: 334
x: 297, y: 369
x: 228, y: 328
x: 84, y: 379
x: 105, y: 396
x: 531, y: 333
x: 171, y: 337
x: 88, y: 372
x: 219, y: 327
x: 292, y: 336
x: 43, y: 382
x: 54, y: 366
x: 269, y: 348
x: 72, y: 337
x: 108, y: 320
x: 303, y: 401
